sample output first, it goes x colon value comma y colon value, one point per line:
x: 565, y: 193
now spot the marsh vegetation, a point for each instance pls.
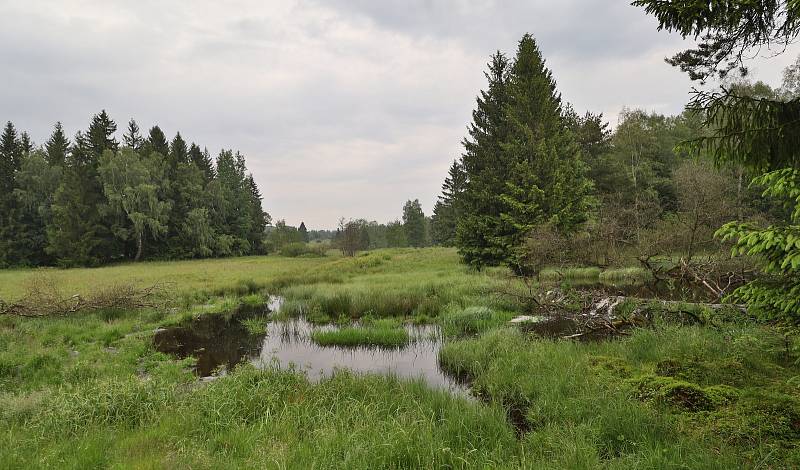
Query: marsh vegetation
x: 468, y: 389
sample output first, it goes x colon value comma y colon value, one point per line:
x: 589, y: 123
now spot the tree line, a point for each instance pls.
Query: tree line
x: 94, y: 200
x: 353, y: 235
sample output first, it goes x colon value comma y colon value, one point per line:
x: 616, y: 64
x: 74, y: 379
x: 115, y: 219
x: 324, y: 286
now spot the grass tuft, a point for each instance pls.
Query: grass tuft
x: 362, y: 336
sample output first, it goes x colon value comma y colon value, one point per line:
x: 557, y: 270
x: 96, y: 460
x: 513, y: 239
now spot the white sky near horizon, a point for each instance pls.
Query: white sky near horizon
x: 342, y: 108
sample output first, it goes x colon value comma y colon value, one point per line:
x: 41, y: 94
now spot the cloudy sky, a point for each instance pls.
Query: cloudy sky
x: 342, y: 107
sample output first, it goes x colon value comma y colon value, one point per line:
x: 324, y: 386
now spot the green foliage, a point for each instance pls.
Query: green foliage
x: 134, y: 186
x: 728, y: 30
x: 352, y: 236
x: 522, y: 163
x: 485, y: 169
x: 447, y: 211
x: 414, y: 223
x: 82, y: 231
x: 777, y: 295
x: 296, y: 249
x: 91, y: 202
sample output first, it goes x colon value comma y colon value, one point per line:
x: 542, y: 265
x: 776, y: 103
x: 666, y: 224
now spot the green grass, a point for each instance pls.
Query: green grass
x: 703, y: 397
x: 362, y: 336
x: 570, y: 273
x: 88, y: 390
x: 628, y: 275
x: 471, y: 321
x: 256, y: 325
x: 625, y: 275
x: 212, y: 276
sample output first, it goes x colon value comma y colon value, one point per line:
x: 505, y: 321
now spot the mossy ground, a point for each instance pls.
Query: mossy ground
x: 89, y: 390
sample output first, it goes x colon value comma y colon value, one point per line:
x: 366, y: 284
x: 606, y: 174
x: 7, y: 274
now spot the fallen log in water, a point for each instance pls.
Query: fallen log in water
x: 609, y: 315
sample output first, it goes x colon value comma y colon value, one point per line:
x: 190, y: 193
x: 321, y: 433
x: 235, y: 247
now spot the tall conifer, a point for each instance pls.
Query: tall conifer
x: 57, y: 146
x: 486, y: 169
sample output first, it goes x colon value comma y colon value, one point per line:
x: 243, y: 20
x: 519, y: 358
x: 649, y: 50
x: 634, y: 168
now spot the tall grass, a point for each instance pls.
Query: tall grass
x: 570, y: 273
x: 578, y: 402
x: 253, y: 418
x: 471, y: 321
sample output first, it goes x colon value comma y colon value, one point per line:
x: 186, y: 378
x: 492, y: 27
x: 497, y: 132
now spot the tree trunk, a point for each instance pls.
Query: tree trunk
x: 139, y: 244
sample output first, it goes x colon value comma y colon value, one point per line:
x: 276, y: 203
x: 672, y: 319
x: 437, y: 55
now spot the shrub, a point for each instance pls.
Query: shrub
x: 298, y: 249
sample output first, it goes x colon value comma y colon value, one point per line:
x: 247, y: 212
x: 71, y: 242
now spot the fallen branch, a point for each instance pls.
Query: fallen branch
x: 45, y: 298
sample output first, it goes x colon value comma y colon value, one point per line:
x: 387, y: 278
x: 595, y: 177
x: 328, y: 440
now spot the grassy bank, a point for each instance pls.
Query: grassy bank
x: 701, y: 397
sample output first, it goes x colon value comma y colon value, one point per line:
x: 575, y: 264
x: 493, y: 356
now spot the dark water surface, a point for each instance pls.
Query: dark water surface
x: 216, y: 342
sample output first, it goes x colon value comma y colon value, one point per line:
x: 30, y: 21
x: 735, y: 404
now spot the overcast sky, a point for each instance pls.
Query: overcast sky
x: 342, y: 107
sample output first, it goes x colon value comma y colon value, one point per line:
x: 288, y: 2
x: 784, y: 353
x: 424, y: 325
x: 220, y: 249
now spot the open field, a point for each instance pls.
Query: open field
x: 90, y: 390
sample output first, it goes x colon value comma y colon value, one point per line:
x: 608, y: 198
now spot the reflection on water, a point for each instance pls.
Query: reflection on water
x: 219, y: 343
x: 289, y: 344
x: 214, y: 340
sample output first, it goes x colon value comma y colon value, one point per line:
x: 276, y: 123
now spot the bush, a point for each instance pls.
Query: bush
x: 298, y: 249
x: 547, y: 247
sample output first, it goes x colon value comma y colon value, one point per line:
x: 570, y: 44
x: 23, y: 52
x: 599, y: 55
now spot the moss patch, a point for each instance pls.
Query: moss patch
x: 685, y: 395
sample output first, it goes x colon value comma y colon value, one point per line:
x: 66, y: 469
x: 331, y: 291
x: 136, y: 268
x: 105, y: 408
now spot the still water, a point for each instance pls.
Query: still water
x: 220, y: 343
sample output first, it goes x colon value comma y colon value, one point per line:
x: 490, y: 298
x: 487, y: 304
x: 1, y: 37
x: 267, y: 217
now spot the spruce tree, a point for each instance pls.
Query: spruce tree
x: 76, y: 234
x: 85, y: 230
x: 178, y: 151
x: 447, y: 210
x: 486, y: 168
x: 57, y: 147
x: 202, y: 160
x: 36, y: 183
x: 303, y: 232
x: 100, y: 136
x: 522, y: 162
x: 231, y: 205
x: 25, y: 144
x: 133, y: 136
x: 547, y: 182
x: 180, y: 185
x: 258, y: 218
x: 414, y: 223
x: 10, y: 159
x: 10, y: 156
x: 156, y: 142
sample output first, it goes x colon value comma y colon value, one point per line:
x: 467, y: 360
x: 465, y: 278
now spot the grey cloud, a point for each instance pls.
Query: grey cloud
x: 343, y: 108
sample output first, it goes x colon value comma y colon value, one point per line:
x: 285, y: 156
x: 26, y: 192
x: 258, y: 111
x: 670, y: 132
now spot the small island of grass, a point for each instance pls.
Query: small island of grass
x: 362, y: 336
